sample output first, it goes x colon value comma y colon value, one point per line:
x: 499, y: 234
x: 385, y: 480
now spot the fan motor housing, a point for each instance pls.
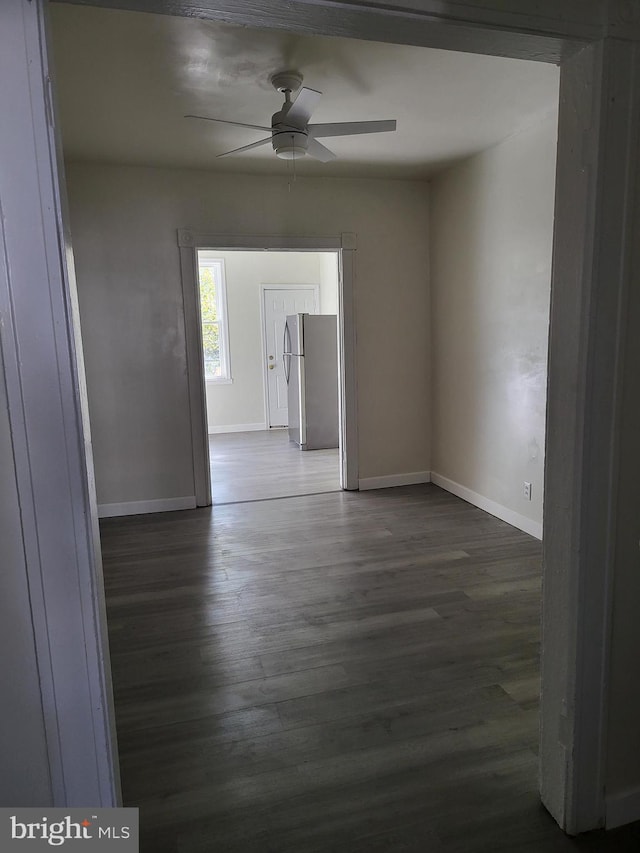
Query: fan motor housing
x: 288, y: 143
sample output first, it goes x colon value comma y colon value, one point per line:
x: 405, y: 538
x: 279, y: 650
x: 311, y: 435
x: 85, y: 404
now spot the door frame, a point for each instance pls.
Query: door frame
x: 597, y: 46
x: 263, y: 328
x: 345, y: 244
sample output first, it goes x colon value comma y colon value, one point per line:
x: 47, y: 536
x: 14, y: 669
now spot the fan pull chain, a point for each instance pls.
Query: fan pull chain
x: 294, y: 158
x: 291, y: 169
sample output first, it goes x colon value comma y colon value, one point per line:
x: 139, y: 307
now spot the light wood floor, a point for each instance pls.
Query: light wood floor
x: 250, y: 466
x: 353, y: 672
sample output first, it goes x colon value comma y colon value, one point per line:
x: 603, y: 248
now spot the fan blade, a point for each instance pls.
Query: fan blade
x: 350, y: 128
x: 245, y: 147
x: 319, y: 151
x: 300, y: 110
x: 234, y: 123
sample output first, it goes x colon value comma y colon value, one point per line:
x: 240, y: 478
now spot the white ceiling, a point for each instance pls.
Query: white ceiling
x: 126, y: 79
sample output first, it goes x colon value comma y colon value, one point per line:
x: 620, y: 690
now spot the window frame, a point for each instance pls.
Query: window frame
x: 217, y: 265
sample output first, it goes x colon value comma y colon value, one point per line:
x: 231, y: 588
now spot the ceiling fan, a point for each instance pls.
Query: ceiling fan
x: 292, y: 136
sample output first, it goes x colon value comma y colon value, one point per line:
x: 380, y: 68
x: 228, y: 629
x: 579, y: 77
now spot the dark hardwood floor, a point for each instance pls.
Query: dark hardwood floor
x: 261, y: 465
x: 353, y: 672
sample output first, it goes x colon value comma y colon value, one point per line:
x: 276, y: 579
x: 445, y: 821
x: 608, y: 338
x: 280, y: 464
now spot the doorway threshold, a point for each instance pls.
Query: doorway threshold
x: 275, y: 498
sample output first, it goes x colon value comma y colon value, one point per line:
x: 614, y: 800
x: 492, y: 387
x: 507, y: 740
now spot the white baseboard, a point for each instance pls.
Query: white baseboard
x: 515, y: 519
x: 622, y: 808
x: 391, y: 480
x: 214, y: 430
x: 141, y: 507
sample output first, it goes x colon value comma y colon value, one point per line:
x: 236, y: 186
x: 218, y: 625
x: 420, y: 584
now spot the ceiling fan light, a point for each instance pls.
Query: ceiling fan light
x: 290, y: 152
x: 290, y: 145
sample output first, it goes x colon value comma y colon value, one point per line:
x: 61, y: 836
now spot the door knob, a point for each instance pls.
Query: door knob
x: 271, y: 366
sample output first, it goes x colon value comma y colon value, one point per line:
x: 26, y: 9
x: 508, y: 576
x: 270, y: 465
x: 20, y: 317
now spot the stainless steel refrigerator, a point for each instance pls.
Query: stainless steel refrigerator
x: 311, y: 370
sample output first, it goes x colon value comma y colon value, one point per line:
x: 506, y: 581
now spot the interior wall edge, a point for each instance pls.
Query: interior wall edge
x: 515, y: 519
x: 142, y: 507
x: 392, y: 480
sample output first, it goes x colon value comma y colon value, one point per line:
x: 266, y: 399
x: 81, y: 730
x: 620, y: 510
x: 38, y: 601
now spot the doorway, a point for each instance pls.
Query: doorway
x: 251, y: 402
x: 612, y: 118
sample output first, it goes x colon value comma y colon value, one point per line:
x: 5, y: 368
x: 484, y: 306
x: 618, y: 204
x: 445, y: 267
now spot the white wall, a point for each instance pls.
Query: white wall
x: 491, y: 224
x: 242, y: 402
x: 124, y: 222
x: 328, y: 282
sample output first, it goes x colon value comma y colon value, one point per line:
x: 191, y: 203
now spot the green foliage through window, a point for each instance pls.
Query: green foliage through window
x: 211, y: 318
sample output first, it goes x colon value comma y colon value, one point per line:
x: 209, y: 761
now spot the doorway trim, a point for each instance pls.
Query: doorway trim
x: 592, y: 272
x: 315, y: 288
x: 189, y: 241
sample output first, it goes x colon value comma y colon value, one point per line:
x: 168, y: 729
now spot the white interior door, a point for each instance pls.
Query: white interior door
x: 278, y: 302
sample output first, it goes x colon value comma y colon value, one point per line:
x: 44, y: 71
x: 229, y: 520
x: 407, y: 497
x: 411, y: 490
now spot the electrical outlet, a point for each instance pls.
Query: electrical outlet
x: 527, y: 491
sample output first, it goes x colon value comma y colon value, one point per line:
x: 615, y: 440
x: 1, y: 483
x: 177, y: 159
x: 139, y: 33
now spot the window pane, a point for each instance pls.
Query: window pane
x: 208, y: 298
x: 212, y: 370
x: 211, y: 346
x: 213, y: 317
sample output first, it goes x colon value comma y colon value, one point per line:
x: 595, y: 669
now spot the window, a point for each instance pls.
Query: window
x: 213, y: 316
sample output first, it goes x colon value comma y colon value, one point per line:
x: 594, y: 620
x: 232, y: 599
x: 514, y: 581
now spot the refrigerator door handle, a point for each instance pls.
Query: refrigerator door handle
x: 286, y: 351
